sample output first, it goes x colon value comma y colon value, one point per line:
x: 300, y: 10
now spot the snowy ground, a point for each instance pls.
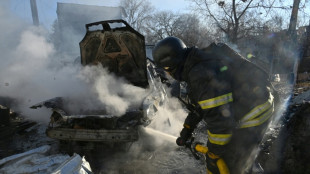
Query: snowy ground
x: 153, y: 153
x: 166, y: 159
x: 148, y: 155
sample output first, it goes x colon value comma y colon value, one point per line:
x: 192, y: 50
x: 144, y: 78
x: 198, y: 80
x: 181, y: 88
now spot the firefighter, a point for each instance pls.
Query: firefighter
x: 232, y: 95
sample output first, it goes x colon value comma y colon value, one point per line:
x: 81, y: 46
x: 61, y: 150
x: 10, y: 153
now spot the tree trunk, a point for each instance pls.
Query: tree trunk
x: 293, y: 21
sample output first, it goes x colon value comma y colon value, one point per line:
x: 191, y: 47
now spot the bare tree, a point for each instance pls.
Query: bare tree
x: 163, y: 24
x: 138, y: 12
x: 236, y: 18
x: 184, y: 26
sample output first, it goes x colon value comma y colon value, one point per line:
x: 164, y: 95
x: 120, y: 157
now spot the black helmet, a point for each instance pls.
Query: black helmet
x: 169, y: 52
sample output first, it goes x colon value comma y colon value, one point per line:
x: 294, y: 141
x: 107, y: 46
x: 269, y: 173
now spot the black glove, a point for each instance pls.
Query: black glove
x: 185, y: 134
x: 180, y: 141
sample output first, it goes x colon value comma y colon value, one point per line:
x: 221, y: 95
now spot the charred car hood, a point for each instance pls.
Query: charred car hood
x: 120, y: 49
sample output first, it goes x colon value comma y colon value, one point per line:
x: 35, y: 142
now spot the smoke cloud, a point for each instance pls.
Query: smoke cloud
x: 32, y: 71
x: 114, y: 92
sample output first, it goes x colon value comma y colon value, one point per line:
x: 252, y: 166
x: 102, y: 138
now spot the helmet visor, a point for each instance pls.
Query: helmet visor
x: 171, y: 71
x: 168, y: 69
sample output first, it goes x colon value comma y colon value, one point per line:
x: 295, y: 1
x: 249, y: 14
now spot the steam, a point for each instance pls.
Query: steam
x: 170, y: 118
x: 115, y: 93
x: 31, y: 71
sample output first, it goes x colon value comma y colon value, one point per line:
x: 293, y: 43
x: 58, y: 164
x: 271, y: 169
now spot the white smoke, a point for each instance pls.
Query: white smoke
x: 170, y: 117
x: 114, y: 92
x: 32, y: 71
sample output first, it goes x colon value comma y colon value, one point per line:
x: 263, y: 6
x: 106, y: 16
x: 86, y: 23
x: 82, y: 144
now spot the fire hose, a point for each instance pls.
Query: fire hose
x: 223, y: 169
x: 194, y: 148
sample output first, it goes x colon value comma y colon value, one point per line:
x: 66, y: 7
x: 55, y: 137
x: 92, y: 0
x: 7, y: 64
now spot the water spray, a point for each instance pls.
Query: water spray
x: 197, y: 147
x: 162, y: 134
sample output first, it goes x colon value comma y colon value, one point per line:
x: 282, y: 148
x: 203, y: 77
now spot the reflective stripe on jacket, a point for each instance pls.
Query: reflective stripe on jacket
x: 258, y: 115
x: 231, y: 93
x: 215, y: 102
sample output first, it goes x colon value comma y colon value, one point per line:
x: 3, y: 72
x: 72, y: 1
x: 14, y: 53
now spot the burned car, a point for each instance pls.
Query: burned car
x: 120, y: 49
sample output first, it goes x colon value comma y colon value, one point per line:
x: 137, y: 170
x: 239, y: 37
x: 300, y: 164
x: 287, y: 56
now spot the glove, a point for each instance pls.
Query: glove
x: 185, y: 134
x: 180, y: 141
x: 211, y: 160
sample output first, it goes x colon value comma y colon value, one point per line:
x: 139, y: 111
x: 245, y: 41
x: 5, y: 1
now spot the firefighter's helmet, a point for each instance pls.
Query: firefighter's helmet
x: 169, y: 53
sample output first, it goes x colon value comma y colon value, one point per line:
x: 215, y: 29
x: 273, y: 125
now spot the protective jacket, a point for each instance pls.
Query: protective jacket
x: 229, y: 92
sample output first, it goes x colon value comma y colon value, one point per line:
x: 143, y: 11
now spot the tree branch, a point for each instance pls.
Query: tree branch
x: 214, y: 18
x: 245, y: 9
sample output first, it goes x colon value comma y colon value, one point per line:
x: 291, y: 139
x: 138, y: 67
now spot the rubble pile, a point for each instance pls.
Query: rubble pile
x: 296, y: 135
x: 285, y: 148
x: 13, y: 126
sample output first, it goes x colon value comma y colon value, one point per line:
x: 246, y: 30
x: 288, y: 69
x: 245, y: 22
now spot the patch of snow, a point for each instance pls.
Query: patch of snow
x: 40, y: 150
x: 37, y: 161
x: 301, y: 98
x: 75, y: 165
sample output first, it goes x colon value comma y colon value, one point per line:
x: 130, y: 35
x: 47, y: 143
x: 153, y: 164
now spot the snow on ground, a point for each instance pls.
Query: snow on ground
x: 147, y: 155
x: 301, y: 98
x: 38, y: 161
x: 152, y: 153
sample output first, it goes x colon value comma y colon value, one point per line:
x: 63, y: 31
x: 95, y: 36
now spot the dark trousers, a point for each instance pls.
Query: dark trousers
x: 241, y: 150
